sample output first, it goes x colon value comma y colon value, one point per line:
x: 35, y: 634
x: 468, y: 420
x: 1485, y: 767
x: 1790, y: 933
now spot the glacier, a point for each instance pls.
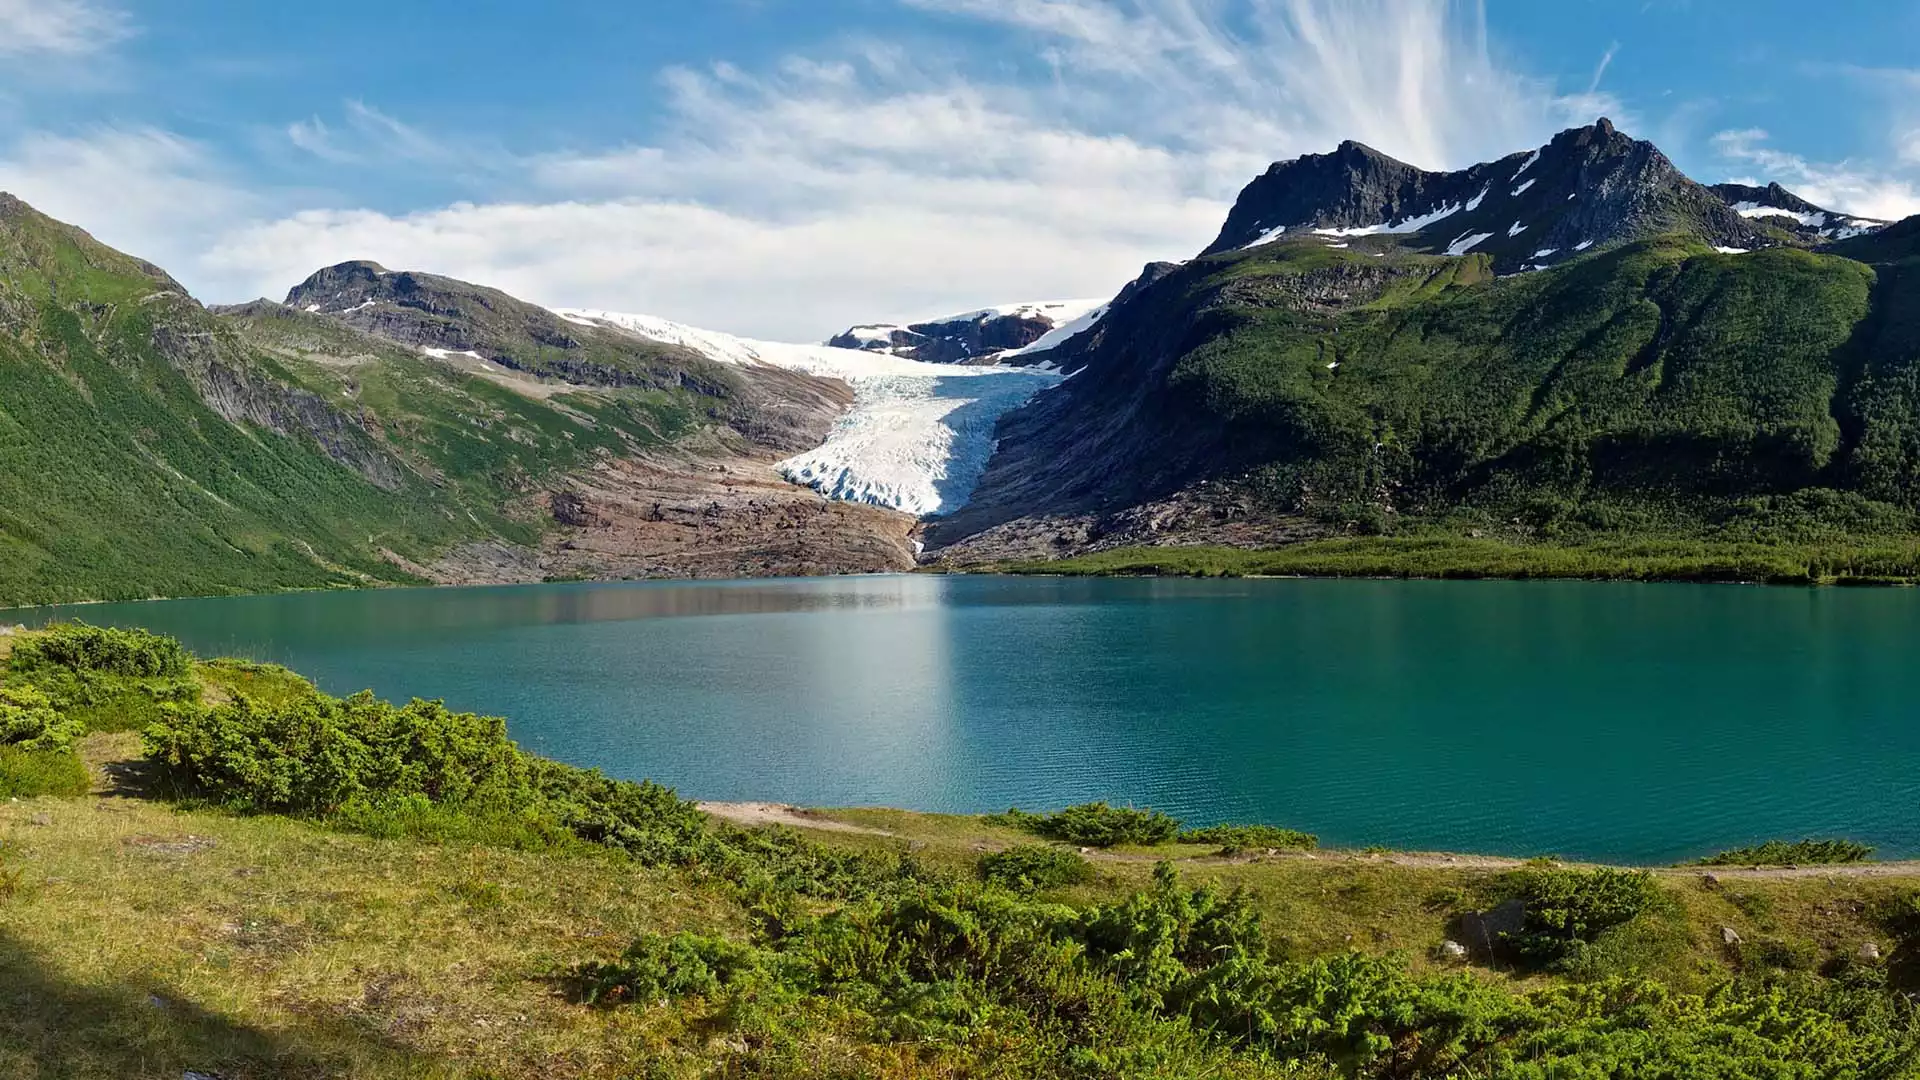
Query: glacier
x: 918, y: 436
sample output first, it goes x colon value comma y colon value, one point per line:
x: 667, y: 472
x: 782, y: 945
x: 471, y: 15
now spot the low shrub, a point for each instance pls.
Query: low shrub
x: 79, y: 647
x: 655, y: 968
x: 30, y: 723
x: 1566, y: 909
x: 315, y: 754
x: 1031, y: 868
x: 1801, y: 853
x: 423, y: 770
x: 1095, y: 824
x: 1234, y: 839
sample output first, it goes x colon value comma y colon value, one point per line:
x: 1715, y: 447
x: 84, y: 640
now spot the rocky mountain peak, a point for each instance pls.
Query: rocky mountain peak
x: 1777, y: 209
x: 1587, y: 187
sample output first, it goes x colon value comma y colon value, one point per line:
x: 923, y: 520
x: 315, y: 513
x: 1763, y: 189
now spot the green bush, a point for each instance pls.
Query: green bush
x: 315, y: 754
x: 1095, y: 824
x: 423, y: 770
x: 29, y: 722
x: 1781, y: 853
x: 655, y: 968
x: 1031, y: 868
x: 1234, y: 839
x: 78, y: 647
x: 1566, y: 909
x: 25, y: 774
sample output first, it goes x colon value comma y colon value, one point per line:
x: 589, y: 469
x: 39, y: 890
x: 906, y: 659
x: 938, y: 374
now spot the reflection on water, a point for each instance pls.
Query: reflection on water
x: 1626, y: 722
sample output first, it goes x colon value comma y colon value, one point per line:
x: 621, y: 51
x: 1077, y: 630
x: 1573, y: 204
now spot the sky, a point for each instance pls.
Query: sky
x: 788, y: 168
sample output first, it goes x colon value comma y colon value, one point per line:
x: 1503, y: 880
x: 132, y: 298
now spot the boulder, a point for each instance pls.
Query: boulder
x: 1483, y: 931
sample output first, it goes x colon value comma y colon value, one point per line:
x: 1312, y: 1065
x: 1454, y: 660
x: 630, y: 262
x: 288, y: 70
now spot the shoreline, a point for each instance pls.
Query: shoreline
x: 1051, y: 570
x: 757, y: 814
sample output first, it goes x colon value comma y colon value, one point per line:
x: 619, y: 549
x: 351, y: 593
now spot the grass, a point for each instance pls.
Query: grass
x: 1460, y: 557
x: 1803, y: 852
x: 278, y: 948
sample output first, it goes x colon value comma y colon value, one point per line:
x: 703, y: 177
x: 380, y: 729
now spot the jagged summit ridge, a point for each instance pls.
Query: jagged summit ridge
x: 1587, y: 187
x: 1779, y: 208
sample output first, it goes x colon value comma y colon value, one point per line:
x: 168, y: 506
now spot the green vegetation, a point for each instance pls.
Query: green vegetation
x: 1032, y: 868
x: 1094, y: 824
x: 1801, y: 853
x: 26, y: 773
x: 1429, y: 556
x: 149, y: 448
x: 325, y: 886
x: 1566, y: 910
x: 1655, y: 411
x: 1235, y: 839
x: 77, y: 647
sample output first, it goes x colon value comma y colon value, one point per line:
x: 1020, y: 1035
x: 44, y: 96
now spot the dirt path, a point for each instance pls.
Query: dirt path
x: 758, y: 814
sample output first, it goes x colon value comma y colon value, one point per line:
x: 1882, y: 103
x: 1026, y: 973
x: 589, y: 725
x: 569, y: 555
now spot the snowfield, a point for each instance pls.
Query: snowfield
x: 918, y: 436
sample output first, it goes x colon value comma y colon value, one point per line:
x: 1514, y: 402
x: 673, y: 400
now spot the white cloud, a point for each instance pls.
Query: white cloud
x: 1846, y: 186
x: 369, y: 135
x: 872, y: 185
x: 59, y: 27
x: 1414, y: 78
x: 143, y: 190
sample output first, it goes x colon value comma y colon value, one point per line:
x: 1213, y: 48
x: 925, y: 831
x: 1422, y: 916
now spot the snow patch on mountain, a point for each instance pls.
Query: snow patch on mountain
x: 1061, y: 334
x: 1407, y: 225
x: 1467, y: 243
x: 1267, y: 237
x: 918, y: 436
x: 1755, y: 210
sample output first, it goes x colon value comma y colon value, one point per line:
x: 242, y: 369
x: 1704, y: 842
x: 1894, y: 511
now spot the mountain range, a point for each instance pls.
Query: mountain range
x: 1570, y: 342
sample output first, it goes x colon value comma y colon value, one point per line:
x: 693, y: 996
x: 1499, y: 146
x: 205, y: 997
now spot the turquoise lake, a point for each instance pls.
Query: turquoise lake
x: 1637, y: 723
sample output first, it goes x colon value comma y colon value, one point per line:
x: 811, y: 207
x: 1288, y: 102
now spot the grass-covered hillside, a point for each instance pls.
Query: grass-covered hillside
x: 1655, y: 391
x: 211, y: 868
x: 146, y: 450
x: 149, y: 447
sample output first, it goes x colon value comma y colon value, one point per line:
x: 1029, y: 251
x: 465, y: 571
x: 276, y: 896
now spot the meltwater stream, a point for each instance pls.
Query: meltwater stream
x: 1637, y: 723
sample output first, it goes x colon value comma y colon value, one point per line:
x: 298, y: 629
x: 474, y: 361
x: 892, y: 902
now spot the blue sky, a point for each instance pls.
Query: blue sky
x: 788, y: 167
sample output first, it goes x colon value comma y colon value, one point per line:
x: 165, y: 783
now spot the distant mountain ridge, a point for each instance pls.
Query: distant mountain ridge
x: 1586, y: 188
x: 975, y: 337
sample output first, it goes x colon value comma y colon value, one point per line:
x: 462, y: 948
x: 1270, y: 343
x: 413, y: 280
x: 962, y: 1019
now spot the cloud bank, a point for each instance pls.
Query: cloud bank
x: 870, y: 184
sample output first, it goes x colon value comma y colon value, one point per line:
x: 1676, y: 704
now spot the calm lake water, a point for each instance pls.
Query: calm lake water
x: 1622, y: 722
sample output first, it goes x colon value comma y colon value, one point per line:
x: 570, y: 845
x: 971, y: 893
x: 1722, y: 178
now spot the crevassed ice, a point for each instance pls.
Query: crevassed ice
x: 918, y: 435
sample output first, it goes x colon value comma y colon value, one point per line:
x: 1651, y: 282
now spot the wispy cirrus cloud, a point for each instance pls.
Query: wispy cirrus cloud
x: 1848, y: 186
x: 870, y: 181
x: 59, y: 27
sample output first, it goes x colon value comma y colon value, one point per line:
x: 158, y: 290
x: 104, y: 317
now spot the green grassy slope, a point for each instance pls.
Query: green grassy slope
x: 1656, y: 391
x: 151, y: 448
x: 118, y: 479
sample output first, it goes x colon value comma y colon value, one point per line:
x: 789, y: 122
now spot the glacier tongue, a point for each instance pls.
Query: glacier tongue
x: 918, y: 436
